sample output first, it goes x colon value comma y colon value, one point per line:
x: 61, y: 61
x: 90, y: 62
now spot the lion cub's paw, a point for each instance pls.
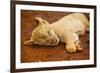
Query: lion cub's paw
x: 71, y: 48
x: 74, y: 48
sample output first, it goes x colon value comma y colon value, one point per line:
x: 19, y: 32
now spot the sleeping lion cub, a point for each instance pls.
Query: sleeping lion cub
x: 66, y: 30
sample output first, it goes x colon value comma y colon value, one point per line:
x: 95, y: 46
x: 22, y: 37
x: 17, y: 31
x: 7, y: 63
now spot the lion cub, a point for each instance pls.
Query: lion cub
x: 66, y: 30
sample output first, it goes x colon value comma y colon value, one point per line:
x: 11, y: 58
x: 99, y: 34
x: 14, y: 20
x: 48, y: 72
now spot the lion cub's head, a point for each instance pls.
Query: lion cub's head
x: 43, y: 34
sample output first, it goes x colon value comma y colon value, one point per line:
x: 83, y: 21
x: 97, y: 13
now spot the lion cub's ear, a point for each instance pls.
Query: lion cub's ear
x: 41, y: 21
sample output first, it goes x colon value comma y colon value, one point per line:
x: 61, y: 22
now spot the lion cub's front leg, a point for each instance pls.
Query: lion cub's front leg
x: 68, y: 38
x: 72, y: 42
